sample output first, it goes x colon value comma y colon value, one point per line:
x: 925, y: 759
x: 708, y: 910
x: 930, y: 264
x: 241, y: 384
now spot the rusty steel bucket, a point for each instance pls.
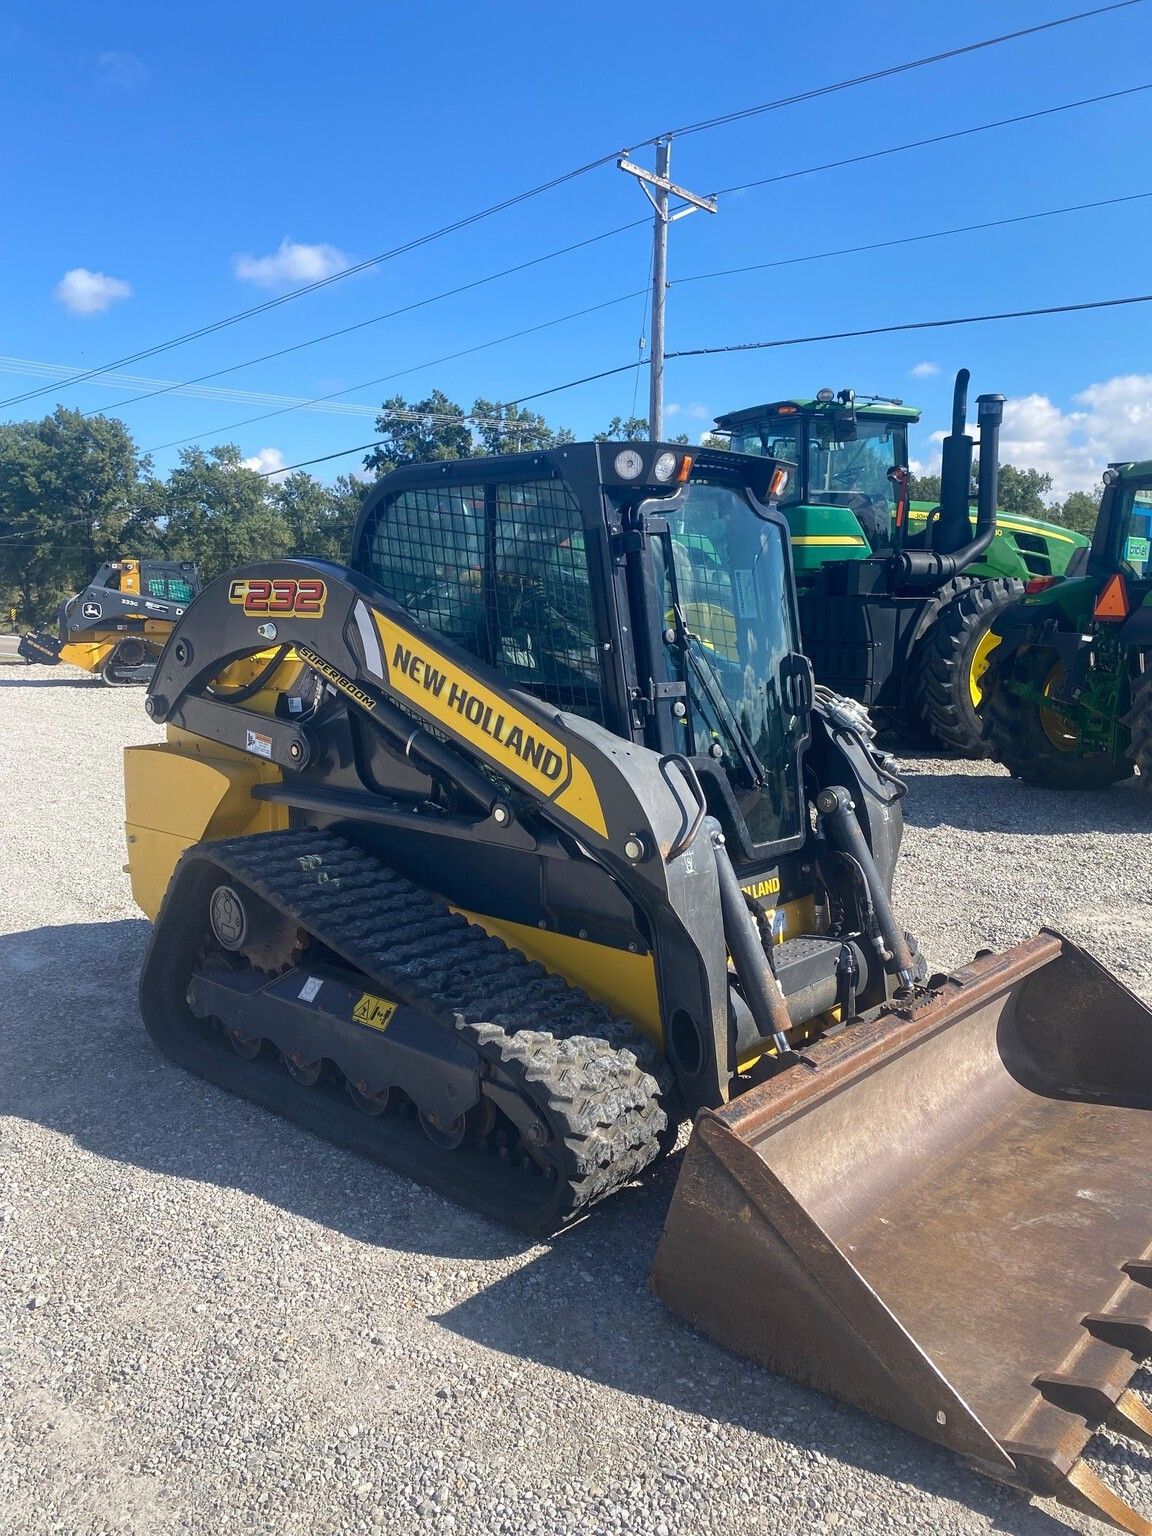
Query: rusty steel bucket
x: 942, y: 1217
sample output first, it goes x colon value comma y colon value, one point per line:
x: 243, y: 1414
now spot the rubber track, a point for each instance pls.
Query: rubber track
x: 603, y: 1087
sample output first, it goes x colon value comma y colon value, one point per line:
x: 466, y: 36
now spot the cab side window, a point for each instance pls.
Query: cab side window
x: 502, y: 570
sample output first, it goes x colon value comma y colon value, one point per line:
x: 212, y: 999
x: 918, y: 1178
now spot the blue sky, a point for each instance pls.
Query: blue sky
x: 183, y: 162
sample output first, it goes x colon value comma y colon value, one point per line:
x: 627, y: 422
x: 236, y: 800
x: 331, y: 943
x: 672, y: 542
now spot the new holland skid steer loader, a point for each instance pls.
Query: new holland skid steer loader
x: 117, y: 626
x: 499, y: 852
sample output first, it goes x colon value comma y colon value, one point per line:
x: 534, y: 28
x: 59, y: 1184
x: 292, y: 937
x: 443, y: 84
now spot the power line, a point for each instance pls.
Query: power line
x: 884, y: 74
x: 693, y: 278
x: 390, y: 314
x: 939, y: 138
x: 167, y: 388
x: 750, y: 346
x: 324, y: 282
x: 556, y: 181
x: 938, y: 234
x: 910, y: 325
x: 400, y: 373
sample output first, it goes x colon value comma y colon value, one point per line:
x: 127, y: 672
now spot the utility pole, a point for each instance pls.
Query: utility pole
x: 662, y: 219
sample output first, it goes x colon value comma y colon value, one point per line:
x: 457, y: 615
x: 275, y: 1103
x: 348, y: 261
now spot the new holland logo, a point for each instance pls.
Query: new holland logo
x: 488, y: 718
x: 510, y: 739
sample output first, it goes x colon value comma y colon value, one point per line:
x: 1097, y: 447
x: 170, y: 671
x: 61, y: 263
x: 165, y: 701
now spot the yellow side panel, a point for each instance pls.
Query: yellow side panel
x: 90, y: 656
x: 180, y: 792
x: 626, y: 982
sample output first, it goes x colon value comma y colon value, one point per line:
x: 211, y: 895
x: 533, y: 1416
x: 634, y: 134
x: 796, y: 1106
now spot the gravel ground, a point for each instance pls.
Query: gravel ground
x: 210, y: 1321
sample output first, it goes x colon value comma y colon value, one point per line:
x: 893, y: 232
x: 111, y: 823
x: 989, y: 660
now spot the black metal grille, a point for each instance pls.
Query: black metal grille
x: 501, y: 570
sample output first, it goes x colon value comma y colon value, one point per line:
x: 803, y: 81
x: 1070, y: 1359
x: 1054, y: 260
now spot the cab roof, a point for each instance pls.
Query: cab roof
x: 886, y: 409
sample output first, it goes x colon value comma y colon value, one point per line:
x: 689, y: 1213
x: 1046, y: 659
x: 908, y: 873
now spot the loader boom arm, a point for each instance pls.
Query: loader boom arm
x: 632, y: 810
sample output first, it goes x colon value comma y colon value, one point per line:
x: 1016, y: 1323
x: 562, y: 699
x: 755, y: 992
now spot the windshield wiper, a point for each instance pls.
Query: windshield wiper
x: 714, y: 693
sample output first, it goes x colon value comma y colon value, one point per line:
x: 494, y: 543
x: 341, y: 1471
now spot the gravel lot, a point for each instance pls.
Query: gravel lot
x: 211, y: 1322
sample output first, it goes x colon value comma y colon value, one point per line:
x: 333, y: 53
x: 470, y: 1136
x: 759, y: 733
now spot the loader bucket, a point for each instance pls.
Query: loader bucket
x: 942, y: 1217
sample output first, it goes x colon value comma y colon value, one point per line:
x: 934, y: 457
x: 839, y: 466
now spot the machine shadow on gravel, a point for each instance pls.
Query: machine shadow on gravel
x: 983, y: 802
x: 75, y: 1058
x: 50, y: 682
x: 584, y: 1308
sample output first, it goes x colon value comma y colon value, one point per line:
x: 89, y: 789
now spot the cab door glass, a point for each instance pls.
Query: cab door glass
x: 731, y: 583
x: 1136, y: 549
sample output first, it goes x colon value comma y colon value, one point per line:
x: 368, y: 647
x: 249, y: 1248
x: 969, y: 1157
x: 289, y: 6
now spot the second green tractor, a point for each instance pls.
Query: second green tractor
x: 898, y: 597
x: 1068, y: 698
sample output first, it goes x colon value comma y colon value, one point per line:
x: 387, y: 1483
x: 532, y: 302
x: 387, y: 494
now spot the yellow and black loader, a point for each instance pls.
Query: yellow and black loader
x: 116, y: 627
x: 499, y: 852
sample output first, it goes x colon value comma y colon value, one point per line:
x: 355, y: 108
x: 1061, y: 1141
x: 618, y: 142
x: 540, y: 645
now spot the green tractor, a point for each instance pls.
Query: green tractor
x: 897, y: 597
x: 1068, y: 691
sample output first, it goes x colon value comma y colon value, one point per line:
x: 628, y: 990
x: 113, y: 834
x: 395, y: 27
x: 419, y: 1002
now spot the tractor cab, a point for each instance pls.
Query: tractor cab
x: 844, y: 500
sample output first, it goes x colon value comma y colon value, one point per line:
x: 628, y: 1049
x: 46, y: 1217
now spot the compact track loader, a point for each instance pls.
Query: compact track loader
x: 497, y: 853
x: 117, y: 626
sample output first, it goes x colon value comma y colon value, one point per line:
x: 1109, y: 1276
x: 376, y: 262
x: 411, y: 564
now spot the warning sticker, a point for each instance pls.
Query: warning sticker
x: 308, y: 991
x: 257, y: 742
x: 374, y: 1011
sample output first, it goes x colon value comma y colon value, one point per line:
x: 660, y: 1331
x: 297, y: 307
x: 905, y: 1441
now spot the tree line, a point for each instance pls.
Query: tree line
x: 1025, y: 493
x: 76, y: 491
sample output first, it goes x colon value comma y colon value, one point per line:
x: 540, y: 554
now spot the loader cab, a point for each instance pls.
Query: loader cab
x: 645, y: 587
x: 842, y: 503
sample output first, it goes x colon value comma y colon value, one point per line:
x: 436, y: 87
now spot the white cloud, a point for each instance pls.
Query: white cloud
x: 923, y: 370
x: 1111, y: 422
x: 694, y: 412
x: 267, y: 461
x: 90, y: 293
x: 123, y: 70
x: 291, y: 263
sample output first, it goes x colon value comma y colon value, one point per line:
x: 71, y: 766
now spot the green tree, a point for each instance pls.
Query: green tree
x: 1078, y: 510
x: 625, y: 429
x: 70, y: 499
x: 415, y: 432
x: 220, y: 513
x: 510, y: 429
x: 319, y: 518
x: 924, y: 488
x: 1022, y: 491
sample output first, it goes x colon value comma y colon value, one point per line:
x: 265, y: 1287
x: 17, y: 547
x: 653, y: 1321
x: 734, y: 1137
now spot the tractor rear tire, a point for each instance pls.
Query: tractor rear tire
x: 953, y: 657
x: 1035, y: 744
x: 1139, y: 722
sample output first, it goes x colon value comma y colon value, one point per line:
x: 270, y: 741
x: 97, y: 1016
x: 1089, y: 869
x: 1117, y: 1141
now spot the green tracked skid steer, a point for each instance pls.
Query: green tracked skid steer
x: 500, y: 851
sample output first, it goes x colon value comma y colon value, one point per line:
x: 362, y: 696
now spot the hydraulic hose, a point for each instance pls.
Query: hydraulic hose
x: 753, y: 968
x: 837, y: 813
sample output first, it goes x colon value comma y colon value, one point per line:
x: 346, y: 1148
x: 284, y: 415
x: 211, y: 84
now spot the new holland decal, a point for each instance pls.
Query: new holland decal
x: 513, y: 742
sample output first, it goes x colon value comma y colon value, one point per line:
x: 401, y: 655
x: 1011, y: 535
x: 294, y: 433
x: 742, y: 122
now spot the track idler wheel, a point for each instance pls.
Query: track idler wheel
x: 306, y: 1073
x: 247, y: 1046
x: 370, y: 1103
x: 467, y: 1129
x: 244, y: 925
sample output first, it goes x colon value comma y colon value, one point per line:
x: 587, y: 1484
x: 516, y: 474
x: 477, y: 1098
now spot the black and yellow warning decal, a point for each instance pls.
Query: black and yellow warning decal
x: 374, y: 1011
x: 262, y: 598
x: 513, y: 742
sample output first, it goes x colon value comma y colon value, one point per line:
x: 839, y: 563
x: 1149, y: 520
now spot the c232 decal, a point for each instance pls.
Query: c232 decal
x: 259, y: 596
